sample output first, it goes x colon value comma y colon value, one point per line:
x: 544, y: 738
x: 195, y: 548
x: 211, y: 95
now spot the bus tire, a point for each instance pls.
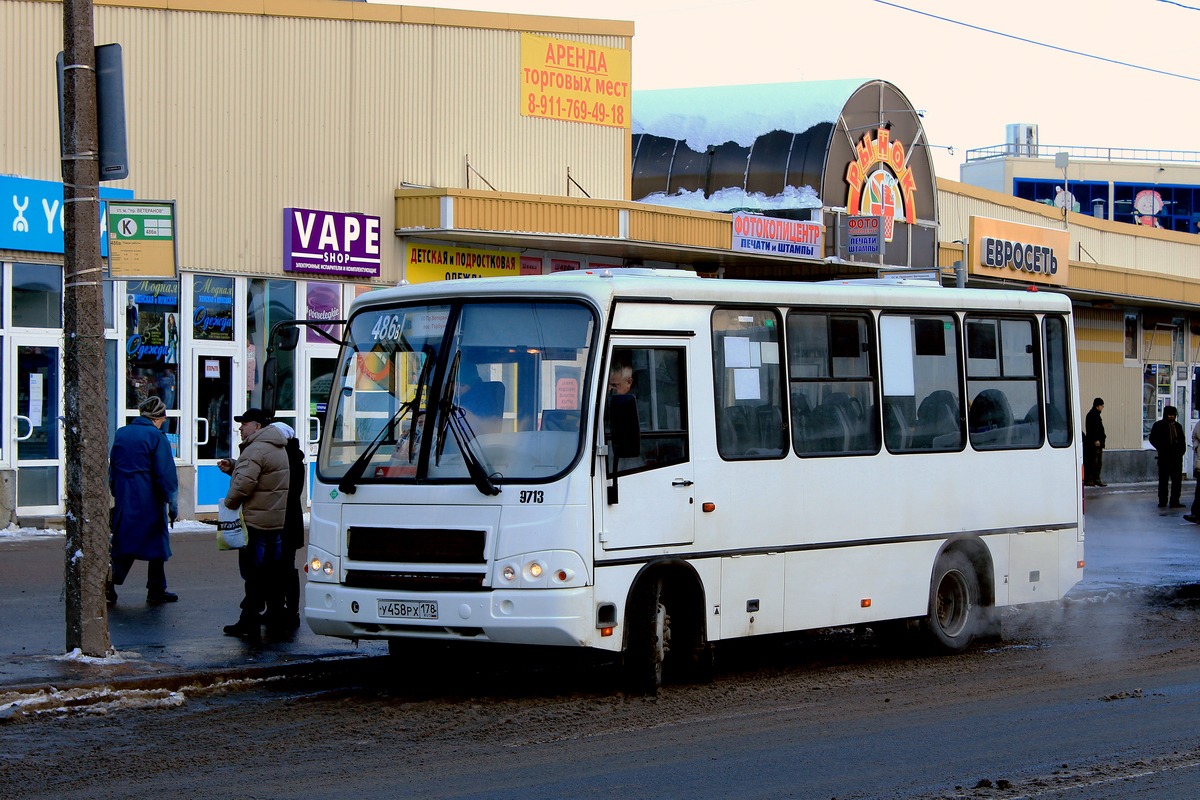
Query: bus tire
x: 954, y: 611
x: 649, y: 639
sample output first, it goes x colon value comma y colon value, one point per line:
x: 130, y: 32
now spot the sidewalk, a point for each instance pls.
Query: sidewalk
x: 1131, y: 545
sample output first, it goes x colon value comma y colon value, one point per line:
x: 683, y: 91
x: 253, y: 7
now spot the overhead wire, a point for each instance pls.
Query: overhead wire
x: 1068, y: 50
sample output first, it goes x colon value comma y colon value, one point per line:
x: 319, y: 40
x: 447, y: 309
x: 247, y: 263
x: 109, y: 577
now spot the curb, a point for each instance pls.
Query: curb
x: 198, y: 678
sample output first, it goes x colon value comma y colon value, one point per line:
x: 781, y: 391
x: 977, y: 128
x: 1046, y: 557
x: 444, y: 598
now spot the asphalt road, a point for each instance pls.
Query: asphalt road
x: 1094, y: 699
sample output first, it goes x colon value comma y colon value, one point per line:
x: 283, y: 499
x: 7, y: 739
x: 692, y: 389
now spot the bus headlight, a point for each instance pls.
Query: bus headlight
x: 545, y: 569
x: 320, y: 566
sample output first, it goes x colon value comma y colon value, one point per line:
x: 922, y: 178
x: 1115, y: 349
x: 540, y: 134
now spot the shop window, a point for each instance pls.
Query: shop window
x: 110, y: 372
x: 152, y: 342
x: 323, y: 301
x: 106, y: 291
x: 212, y: 301
x: 1131, y: 336
x: 36, y: 296
x: 269, y: 302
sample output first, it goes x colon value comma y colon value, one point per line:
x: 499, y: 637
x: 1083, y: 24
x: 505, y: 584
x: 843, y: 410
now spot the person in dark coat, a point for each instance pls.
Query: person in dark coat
x: 288, y: 580
x: 1166, y: 436
x: 1093, y: 445
x: 145, y: 490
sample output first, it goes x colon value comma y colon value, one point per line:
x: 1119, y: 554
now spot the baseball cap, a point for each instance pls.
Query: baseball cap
x: 254, y: 415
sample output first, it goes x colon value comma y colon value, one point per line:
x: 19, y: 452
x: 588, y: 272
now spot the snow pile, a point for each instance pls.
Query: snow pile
x: 102, y: 700
x: 723, y: 200
x: 14, y: 533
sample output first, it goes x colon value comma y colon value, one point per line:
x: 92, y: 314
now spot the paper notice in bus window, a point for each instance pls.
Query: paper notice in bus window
x: 770, y: 352
x: 745, y: 385
x: 737, y: 352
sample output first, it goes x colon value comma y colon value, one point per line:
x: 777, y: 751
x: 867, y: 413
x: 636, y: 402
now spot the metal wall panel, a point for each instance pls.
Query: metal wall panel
x: 31, y: 36
x: 1103, y: 372
x: 236, y: 116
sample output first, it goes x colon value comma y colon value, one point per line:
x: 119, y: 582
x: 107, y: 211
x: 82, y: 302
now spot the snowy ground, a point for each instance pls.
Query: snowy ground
x: 13, y: 533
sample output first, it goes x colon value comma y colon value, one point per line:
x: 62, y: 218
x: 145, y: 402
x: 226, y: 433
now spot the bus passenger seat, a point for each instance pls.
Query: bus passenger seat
x: 560, y: 420
x: 937, y: 422
x: 769, y: 422
x: 990, y: 415
x: 898, y: 431
x: 828, y: 429
x: 800, y: 414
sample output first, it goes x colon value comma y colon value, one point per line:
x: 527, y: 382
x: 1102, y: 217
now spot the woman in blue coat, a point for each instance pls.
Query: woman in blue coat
x: 145, y: 488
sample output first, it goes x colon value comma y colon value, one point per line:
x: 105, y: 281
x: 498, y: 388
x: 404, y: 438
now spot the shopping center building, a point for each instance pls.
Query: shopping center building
x: 296, y: 154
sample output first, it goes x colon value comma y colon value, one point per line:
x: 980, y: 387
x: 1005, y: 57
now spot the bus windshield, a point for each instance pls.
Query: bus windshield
x: 482, y: 391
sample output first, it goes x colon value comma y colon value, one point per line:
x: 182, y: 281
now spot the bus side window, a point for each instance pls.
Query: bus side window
x: 655, y: 377
x: 919, y: 354
x: 1002, y: 383
x: 1058, y: 386
x: 831, y: 365
x: 747, y: 383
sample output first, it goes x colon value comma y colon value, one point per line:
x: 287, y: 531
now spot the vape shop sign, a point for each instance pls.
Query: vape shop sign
x: 331, y: 243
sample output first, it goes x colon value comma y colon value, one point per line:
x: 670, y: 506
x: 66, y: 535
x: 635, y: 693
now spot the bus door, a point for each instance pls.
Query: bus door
x: 654, y: 495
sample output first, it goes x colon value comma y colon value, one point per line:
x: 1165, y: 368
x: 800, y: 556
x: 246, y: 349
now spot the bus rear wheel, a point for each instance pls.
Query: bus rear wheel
x: 954, y: 610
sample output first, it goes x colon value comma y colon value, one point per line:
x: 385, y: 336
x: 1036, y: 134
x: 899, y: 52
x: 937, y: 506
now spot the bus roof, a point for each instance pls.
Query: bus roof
x: 604, y: 286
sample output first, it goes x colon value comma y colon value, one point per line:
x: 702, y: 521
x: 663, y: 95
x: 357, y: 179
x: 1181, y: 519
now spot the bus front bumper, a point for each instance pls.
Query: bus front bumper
x: 560, y: 617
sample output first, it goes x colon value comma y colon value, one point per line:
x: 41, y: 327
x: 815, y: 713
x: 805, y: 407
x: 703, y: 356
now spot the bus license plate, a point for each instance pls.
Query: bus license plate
x: 408, y: 609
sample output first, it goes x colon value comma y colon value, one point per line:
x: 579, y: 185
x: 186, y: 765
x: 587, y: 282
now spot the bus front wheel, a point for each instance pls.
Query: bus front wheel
x: 954, y: 610
x: 649, y: 638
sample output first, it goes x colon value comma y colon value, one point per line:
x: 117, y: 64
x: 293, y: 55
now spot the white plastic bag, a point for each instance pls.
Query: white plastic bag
x: 231, y: 528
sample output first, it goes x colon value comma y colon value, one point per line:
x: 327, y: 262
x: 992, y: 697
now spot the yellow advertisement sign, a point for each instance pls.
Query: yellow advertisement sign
x: 574, y: 82
x: 1010, y: 250
x: 430, y: 262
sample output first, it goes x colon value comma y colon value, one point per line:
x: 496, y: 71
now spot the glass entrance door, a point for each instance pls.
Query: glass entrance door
x: 321, y: 368
x: 213, y: 425
x: 36, y: 427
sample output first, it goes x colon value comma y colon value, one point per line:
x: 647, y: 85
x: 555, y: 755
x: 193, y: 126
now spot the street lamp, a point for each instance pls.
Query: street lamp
x: 960, y: 267
x: 1061, y: 160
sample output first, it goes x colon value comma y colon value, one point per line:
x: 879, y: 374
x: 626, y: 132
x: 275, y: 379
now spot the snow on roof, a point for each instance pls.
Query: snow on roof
x: 713, y: 115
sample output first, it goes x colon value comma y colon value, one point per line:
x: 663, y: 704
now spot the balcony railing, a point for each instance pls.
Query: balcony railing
x: 1018, y: 150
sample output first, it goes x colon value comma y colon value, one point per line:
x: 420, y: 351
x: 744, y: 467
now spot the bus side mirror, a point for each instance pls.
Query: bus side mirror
x: 625, y: 436
x: 270, y: 385
x: 288, y: 337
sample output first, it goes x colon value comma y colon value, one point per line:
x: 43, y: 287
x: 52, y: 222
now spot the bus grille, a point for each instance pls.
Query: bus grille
x: 414, y: 582
x: 415, y: 545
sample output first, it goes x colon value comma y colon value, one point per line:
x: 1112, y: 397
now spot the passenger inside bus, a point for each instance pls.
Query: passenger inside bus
x: 483, y: 401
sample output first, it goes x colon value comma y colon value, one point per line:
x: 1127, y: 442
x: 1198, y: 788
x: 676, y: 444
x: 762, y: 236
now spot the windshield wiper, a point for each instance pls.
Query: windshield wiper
x: 455, y: 418
x: 349, y: 482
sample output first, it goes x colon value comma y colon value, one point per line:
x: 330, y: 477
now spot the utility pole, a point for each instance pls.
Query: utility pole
x: 85, y: 388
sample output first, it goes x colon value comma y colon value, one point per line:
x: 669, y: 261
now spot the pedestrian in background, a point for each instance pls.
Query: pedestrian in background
x: 1166, y: 436
x: 258, y: 485
x: 1093, y: 445
x: 145, y: 490
x: 287, y: 581
x: 1195, y: 515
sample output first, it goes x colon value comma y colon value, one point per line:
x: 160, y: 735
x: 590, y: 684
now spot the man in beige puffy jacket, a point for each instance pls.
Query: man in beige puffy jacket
x: 258, y: 485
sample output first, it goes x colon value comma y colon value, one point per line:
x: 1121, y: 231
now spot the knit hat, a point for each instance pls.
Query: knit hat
x: 153, y: 408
